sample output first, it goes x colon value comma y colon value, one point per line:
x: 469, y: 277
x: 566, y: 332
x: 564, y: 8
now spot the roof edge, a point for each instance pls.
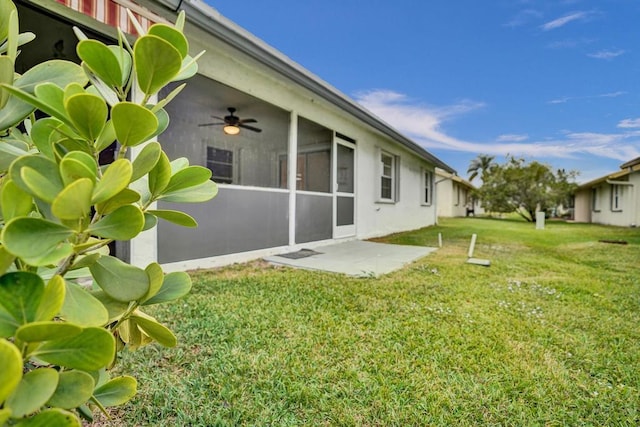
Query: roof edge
x: 210, y: 20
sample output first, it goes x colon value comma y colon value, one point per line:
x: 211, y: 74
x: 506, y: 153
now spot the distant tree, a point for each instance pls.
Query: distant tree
x: 481, y: 165
x: 525, y: 187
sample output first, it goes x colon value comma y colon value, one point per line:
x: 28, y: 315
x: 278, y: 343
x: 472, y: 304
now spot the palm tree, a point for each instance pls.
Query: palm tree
x: 480, y: 166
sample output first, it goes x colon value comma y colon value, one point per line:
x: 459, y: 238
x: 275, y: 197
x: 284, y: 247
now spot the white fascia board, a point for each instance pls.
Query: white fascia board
x: 210, y: 20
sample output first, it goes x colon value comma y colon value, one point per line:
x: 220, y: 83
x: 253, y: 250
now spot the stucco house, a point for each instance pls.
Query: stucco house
x: 312, y: 167
x: 613, y: 199
x: 454, y: 196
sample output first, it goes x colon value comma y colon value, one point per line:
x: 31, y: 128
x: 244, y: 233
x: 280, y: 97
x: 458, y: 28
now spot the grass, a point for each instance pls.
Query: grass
x: 548, y: 335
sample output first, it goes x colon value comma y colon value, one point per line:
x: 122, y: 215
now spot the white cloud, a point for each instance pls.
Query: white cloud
x: 629, y: 123
x: 424, y: 124
x: 562, y: 21
x: 511, y: 137
x: 566, y: 99
x: 523, y: 17
x: 606, y: 54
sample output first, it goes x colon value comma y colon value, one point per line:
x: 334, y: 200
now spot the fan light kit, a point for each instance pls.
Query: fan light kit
x: 233, y: 123
x: 231, y: 129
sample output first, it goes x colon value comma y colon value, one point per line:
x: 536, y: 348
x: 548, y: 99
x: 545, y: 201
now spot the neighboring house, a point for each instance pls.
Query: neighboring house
x: 613, y: 199
x: 455, y: 196
x: 322, y: 168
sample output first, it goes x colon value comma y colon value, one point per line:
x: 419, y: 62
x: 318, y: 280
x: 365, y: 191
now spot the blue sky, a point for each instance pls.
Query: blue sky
x: 552, y: 80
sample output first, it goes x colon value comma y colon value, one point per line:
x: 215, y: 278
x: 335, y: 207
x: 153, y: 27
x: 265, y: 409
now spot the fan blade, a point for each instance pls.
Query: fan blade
x: 211, y: 124
x: 218, y: 118
x: 248, y: 121
x: 249, y: 127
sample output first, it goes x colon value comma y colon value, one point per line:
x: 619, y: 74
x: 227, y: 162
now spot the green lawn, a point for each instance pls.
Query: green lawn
x: 548, y: 335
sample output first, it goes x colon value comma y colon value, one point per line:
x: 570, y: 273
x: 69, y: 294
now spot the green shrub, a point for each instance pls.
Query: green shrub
x: 60, y: 209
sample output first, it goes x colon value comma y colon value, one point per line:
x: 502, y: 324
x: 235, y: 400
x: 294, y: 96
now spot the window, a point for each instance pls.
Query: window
x: 427, y: 187
x: 616, y: 198
x: 388, y: 177
x: 220, y: 162
x: 595, y: 205
x: 457, y: 194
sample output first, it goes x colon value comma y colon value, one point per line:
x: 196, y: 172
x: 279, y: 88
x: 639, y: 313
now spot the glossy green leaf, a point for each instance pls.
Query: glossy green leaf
x: 74, y: 202
x: 125, y: 197
x: 46, y: 331
x: 150, y: 221
x: 14, y: 112
x: 175, y: 217
x: 90, y: 350
x: 21, y: 104
x: 133, y: 123
x: 187, y: 178
x: 52, y: 299
x: 6, y: 261
x: 40, y: 185
x: 56, y: 71
x: 73, y: 89
x: 115, y: 179
x: 156, y: 63
x: 124, y: 223
x: 73, y: 169
x: 160, y: 175
x: 100, y: 88
x: 55, y: 417
x: 53, y: 96
x: 171, y: 35
x: 188, y: 69
x: 84, y: 261
x: 46, y: 168
x: 175, y: 285
x: 9, y: 153
x: 6, y: 77
x: 101, y: 61
x: 88, y: 113
x: 11, y: 372
x: 124, y: 60
x: 155, y: 330
x: 146, y: 160
x: 114, y: 308
x: 6, y: 7
x: 200, y: 193
x: 179, y: 164
x: 82, y: 308
x: 121, y: 281
x: 12, y: 35
x: 116, y: 392
x: 74, y: 389
x: 107, y: 137
x: 156, y: 278
x: 20, y: 296
x: 5, y: 414
x: 33, y: 238
x: 32, y: 392
x: 44, y: 133
x: 15, y: 202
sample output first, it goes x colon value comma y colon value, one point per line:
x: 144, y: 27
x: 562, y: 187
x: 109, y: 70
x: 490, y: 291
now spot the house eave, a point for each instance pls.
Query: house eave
x: 210, y: 20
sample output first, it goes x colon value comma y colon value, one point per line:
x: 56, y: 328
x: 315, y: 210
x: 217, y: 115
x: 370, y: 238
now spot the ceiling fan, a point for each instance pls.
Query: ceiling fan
x: 233, y: 123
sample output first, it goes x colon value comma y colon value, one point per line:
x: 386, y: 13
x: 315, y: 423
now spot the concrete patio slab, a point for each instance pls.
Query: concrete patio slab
x: 353, y: 258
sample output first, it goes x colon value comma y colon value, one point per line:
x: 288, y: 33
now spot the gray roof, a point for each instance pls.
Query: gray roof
x: 210, y: 20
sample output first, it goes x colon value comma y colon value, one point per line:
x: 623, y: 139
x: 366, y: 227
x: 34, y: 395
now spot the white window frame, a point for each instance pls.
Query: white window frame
x: 426, y: 196
x: 393, y: 176
x: 616, y: 198
x: 595, y: 202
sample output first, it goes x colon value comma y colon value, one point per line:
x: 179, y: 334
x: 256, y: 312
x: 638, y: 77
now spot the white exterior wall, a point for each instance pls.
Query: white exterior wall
x: 605, y: 213
x: 582, y: 210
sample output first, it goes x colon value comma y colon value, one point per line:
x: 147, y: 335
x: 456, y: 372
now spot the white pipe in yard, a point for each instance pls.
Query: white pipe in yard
x: 472, y: 245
